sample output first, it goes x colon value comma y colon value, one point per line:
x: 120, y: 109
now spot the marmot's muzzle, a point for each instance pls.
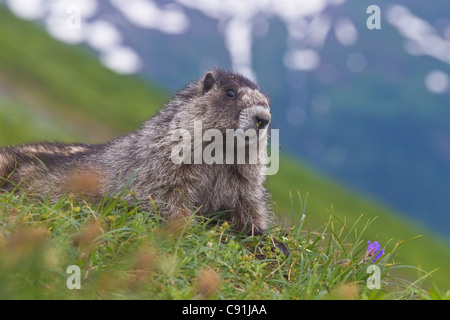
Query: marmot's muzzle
x: 262, y: 120
x: 257, y: 118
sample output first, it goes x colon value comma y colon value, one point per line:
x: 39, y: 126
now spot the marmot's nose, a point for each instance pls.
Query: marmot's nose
x: 262, y: 120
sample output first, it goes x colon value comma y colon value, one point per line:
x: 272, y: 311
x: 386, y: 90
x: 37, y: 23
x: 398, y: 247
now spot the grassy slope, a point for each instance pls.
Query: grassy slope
x: 129, y: 254
x: 39, y: 86
x: 326, y: 196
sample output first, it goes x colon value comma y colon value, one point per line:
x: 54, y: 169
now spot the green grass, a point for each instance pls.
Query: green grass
x: 326, y: 196
x: 124, y: 253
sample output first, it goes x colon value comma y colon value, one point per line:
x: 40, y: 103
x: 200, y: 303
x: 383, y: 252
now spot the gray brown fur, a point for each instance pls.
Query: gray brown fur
x: 178, y: 189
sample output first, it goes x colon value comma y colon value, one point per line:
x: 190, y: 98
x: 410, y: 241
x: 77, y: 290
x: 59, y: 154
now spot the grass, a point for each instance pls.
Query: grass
x: 124, y: 253
x: 327, y: 196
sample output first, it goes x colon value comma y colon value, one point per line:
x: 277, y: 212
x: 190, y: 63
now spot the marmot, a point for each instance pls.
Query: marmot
x: 141, y: 160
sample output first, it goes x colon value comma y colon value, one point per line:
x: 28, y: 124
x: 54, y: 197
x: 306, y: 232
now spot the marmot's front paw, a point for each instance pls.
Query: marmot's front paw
x: 282, y: 247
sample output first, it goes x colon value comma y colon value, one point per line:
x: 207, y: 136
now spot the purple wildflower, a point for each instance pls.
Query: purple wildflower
x: 373, y: 249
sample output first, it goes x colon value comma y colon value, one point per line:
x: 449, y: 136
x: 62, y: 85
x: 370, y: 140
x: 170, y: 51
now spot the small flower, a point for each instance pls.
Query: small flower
x: 373, y: 249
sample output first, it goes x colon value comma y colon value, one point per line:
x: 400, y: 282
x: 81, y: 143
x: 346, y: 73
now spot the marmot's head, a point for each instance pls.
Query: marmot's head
x: 226, y: 100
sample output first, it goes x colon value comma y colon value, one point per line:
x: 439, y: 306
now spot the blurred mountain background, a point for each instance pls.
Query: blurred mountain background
x: 367, y: 107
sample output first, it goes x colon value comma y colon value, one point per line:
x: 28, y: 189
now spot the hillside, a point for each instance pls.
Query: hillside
x: 43, y: 82
x: 49, y: 90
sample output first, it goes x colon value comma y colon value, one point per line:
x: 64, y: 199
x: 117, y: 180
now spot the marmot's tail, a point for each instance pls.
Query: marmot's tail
x: 8, y: 166
x: 5, y: 164
x: 24, y: 162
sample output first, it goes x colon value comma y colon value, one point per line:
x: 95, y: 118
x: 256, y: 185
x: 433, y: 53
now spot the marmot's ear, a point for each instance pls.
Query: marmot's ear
x: 208, y: 82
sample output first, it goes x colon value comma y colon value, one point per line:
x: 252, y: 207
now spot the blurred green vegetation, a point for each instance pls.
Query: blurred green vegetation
x: 49, y: 90
x: 53, y: 82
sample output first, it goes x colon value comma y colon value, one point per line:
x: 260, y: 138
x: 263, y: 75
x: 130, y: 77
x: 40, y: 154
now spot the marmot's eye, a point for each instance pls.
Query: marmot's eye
x: 231, y: 94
